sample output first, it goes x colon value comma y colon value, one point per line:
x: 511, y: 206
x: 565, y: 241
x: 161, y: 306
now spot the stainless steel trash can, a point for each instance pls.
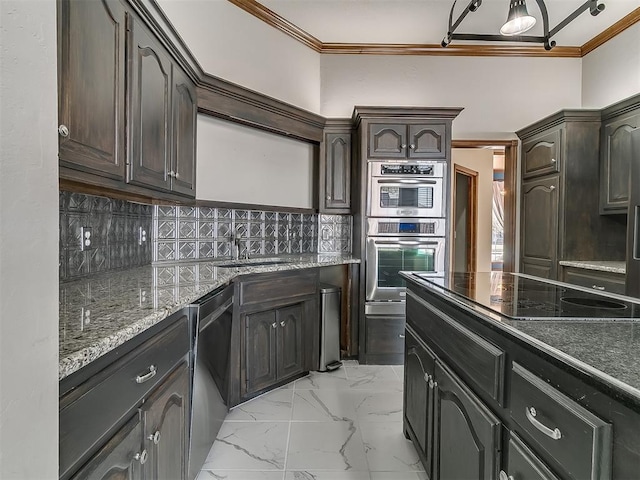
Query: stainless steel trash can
x: 329, y: 327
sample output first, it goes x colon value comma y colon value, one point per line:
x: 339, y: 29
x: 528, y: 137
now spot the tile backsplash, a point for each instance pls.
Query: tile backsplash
x: 175, y: 233
x: 197, y: 233
x: 115, y: 234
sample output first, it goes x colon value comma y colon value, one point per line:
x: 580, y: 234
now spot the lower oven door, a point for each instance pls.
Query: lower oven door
x: 387, y: 256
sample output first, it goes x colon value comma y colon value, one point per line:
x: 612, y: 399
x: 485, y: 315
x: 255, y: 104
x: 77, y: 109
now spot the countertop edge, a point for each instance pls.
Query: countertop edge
x: 599, y: 266
x: 74, y: 361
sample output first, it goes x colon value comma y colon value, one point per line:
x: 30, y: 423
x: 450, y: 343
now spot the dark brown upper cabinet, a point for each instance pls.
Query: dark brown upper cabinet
x: 127, y: 109
x: 619, y: 121
x: 419, y: 141
x: 335, y: 167
x: 541, y: 154
x: 150, y: 91
x: 91, y: 94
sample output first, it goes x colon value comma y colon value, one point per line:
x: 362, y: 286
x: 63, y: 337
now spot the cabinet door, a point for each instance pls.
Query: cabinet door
x: 150, y: 110
x: 184, y: 134
x: 539, y: 223
x: 260, y: 350
x: 289, y: 349
x: 428, y: 141
x: 337, y: 172
x: 419, y: 367
x: 523, y: 464
x: 616, y: 164
x: 91, y: 103
x: 387, y: 141
x: 541, y: 154
x: 166, y: 423
x: 120, y: 458
x: 466, y: 433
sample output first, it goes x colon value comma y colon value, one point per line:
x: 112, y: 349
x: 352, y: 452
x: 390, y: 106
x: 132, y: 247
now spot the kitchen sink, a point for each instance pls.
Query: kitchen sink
x: 250, y: 263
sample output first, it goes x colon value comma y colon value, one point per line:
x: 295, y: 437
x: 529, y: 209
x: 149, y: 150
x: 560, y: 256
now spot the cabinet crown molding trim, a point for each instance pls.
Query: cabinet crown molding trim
x: 404, y: 113
x: 620, y: 108
x: 558, y: 118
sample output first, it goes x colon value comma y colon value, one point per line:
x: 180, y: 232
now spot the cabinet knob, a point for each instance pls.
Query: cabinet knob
x: 171, y: 173
x: 504, y: 476
x: 553, y: 160
x: 274, y: 324
x: 427, y: 377
x: 63, y: 130
x: 597, y: 287
x: 404, y: 145
x: 412, y: 146
x: 401, y: 335
x: 328, y: 197
x: 282, y: 323
x: 552, y: 188
x: 155, y: 437
x: 141, y: 457
x: 176, y: 175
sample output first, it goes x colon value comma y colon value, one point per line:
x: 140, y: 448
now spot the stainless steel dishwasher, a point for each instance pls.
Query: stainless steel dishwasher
x: 212, y: 338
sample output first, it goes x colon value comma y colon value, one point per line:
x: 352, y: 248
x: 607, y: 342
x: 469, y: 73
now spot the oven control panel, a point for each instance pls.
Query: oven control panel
x: 406, y: 170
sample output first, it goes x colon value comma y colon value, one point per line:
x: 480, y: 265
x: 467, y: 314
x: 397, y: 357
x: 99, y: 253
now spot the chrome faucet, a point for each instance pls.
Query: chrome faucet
x: 235, y: 246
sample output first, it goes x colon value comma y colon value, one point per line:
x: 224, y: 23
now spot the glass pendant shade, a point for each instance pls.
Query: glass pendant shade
x: 518, y: 20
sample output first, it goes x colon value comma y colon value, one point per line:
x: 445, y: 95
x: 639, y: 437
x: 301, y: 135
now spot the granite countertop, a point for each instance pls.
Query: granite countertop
x: 606, y: 349
x: 601, y: 266
x: 100, y: 313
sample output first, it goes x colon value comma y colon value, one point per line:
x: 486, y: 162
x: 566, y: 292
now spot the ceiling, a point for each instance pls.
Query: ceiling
x: 426, y: 21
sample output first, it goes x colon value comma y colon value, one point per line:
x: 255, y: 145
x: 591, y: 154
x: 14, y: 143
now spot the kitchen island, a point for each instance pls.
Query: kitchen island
x: 523, y: 377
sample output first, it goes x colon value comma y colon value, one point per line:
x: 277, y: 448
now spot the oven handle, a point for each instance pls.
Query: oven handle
x: 403, y: 242
x: 412, y: 182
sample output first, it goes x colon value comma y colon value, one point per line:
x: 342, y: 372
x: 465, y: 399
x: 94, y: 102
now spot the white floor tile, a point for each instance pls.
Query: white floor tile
x: 272, y: 406
x: 375, y: 406
x: 398, y: 476
x: 249, y: 446
x: 373, y: 377
x: 322, y: 475
x: 335, y: 380
x: 238, y: 475
x: 325, y: 446
x: 387, y: 449
x: 323, y: 406
x: 399, y: 369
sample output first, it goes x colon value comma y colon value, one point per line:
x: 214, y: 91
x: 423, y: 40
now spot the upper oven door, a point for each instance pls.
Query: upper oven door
x: 386, y: 256
x: 405, y: 197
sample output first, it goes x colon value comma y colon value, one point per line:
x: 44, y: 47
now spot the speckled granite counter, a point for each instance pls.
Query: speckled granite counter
x: 101, y: 313
x: 606, y: 349
x: 601, y: 266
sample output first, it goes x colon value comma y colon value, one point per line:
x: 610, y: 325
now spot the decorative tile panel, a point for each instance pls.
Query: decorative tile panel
x: 335, y: 233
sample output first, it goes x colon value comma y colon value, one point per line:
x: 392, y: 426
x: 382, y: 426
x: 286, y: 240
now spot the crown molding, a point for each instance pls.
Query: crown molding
x: 271, y: 18
x: 615, y: 29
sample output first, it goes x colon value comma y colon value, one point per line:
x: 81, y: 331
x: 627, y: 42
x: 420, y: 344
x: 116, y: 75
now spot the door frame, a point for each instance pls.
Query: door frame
x: 472, y: 216
x: 510, y: 192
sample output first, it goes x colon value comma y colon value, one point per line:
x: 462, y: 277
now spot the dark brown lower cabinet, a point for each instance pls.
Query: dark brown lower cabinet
x: 466, y: 434
x: 274, y: 347
x: 523, y: 464
x: 119, y: 458
x: 166, y: 427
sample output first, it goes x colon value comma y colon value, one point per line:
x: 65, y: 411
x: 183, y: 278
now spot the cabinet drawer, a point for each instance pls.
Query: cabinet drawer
x: 570, y: 437
x: 278, y: 286
x: 523, y: 464
x: 90, y: 411
x: 541, y: 154
x: 482, y: 363
x: 603, y: 281
x: 384, y: 335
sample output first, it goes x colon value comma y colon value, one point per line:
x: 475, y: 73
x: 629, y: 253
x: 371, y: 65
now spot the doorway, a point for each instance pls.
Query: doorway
x: 465, y: 208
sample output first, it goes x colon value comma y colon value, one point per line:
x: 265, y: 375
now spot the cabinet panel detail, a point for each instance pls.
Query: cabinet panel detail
x: 387, y: 141
x: 427, y: 141
x: 523, y: 464
x: 541, y: 155
x: 185, y: 108
x: 337, y: 174
x: 260, y: 350
x: 289, y: 340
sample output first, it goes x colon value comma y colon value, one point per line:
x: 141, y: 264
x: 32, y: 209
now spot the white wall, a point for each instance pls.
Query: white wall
x: 499, y: 95
x: 242, y: 164
x: 28, y: 241
x: 232, y: 44
x: 481, y: 161
x: 612, y: 71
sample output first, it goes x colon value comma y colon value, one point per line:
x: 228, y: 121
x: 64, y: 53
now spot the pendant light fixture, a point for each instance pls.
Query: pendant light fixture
x: 518, y: 21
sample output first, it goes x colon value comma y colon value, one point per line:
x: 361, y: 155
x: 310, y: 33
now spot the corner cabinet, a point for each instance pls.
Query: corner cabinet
x: 278, y: 331
x: 618, y: 122
x: 335, y: 167
x: 127, y: 109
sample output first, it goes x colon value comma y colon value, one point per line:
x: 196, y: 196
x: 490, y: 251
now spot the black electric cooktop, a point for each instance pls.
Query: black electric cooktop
x: 524, y: 297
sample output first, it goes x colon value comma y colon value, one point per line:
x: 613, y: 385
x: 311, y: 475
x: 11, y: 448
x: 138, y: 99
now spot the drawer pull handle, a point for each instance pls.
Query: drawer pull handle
x: 155, y: 437
x: 401, y: 335
x: 504, y: 476
x: 597, y: 287
x: 141, y: 457
x: 147, y: 376
x: 531, y: 416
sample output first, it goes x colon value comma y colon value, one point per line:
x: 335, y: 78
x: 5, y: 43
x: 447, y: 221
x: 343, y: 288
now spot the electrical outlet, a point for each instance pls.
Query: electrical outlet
x: 86, y: 238
x: 85, y: 318
x: 142, y: 236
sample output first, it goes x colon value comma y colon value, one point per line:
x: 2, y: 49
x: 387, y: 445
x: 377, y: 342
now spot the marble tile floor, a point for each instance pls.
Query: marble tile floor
x: 341, y: 425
